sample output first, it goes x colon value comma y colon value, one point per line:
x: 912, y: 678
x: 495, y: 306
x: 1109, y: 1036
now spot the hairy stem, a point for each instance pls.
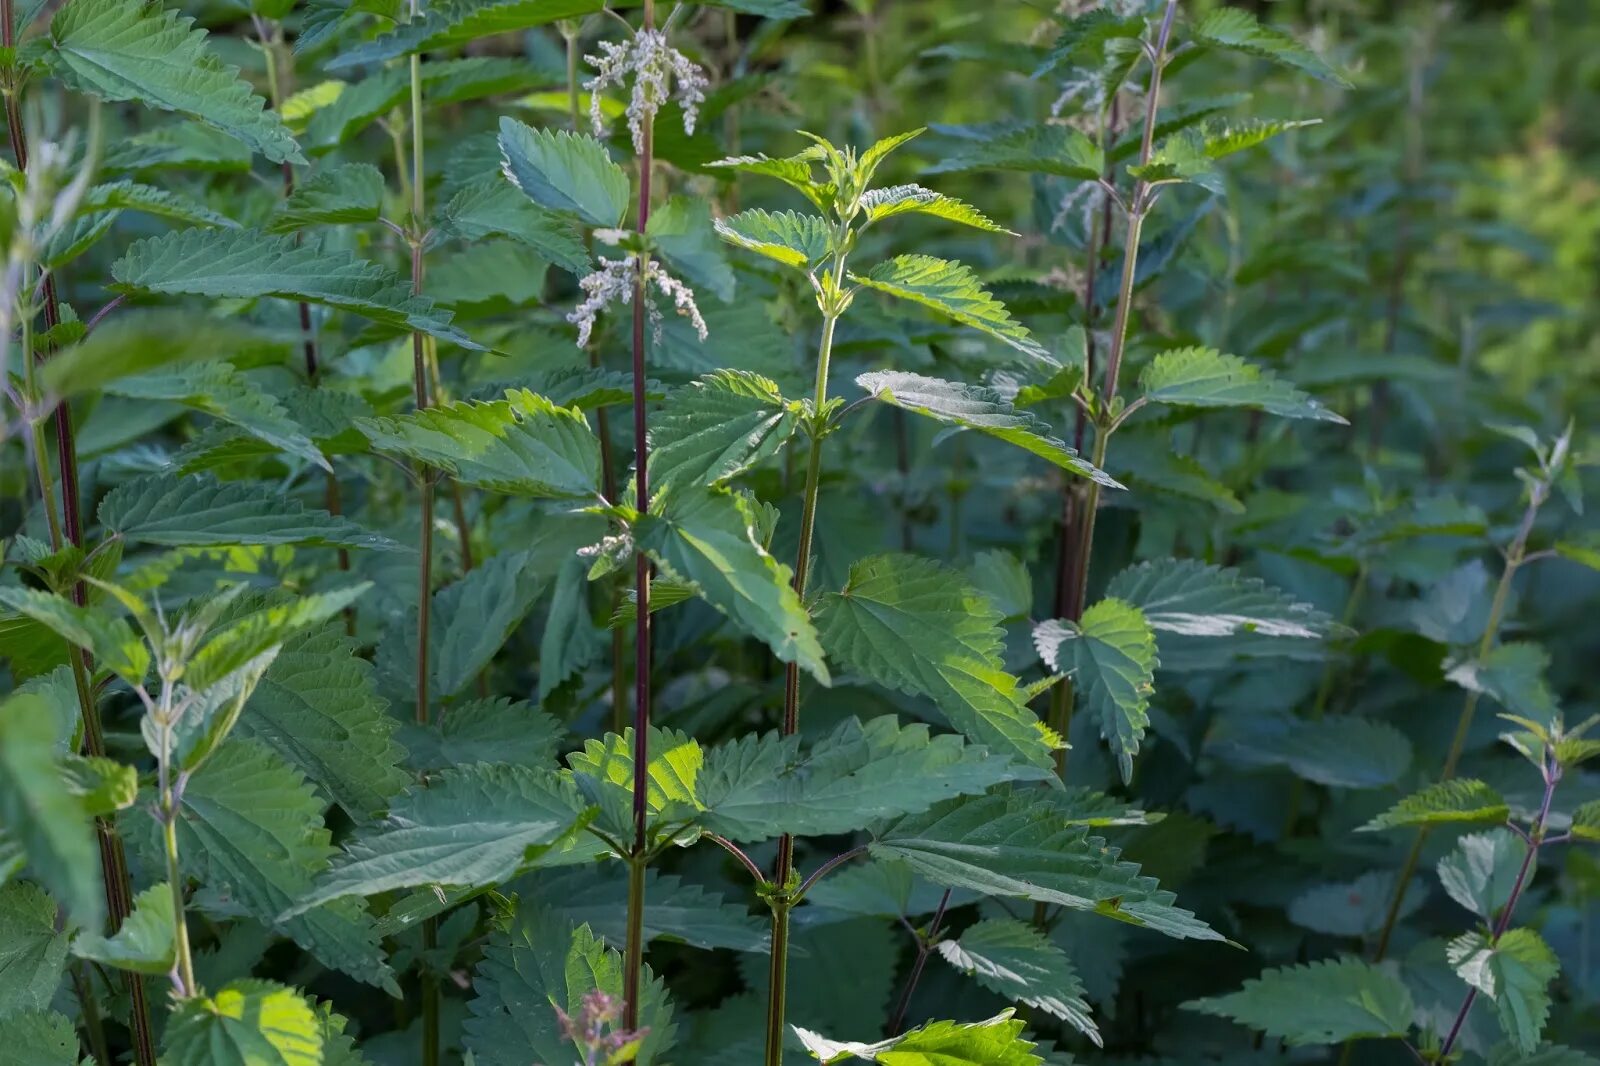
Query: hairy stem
x: 1516, y: 555
x: 778, y: 990
x: 633, y: 960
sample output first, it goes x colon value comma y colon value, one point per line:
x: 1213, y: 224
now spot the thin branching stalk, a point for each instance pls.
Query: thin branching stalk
x: 1516, y: 555
x: 833, y: 308
x: 113, y: 860
x: 633, y: 958
x: 925, y: 943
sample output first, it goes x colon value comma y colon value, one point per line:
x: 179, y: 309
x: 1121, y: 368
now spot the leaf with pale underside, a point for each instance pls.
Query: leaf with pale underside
x: 789, y: 238
x: 895, y: 200
x: 996, y: 1042
x: 1514, y: 971
x: 1111, y: 655
x: 1019, y: 962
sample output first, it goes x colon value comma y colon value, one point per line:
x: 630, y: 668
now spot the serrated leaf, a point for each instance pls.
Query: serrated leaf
x: 471, y: 826
x: 1514, y: 971
x: 1513, y: 676
x: 147, y: 941
x: 1205, y: 377
x: 493, y: 207
x: 1238, y: 30
x: 1219, y: 139
x: 1204, y: 615
x: 346, y: 194
x: 1009, y: 846
x: 541, y: 963
x: 110, y: 639
x: 1586, y: 821
x: 40, y: 1038
x: 794, y: 171
x: 1017, y: 961
x: 707, y: 538
x: 523, y: 445
x: 1463, y: 800
x: 133, y: 50
x: 791, y: 239
x: 596, y: 895
x: 161, y: 203
x: 996, y: 1042
x: 1321, y: 1003
x: 1480, y: 873
x: 757, y: 788
x: 1084, y: 38
x: 249, y: 264
x: 241, y: 643
x: 915, y: 626
x: 317, y: 707
x: 39, y: 809
x: 250, y: 829
x: 492, y: 731
x: 143, y: 340
x: 953, y: 290
x: 568, y: 172
x: 246, y: 1023
x: 717, y: 428
x: 1050, y: 149
x: 1111, y: 655
x: 885, y: 203
x: 1343, y: 751
x: 604, y: 772
x: 978, y: 408
x: 198, y: 510
x: 33, y: 955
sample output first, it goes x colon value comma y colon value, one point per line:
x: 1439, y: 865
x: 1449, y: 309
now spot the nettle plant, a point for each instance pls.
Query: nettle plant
x: 368, y: 704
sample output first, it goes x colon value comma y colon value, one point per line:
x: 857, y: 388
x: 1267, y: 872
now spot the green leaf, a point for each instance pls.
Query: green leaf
x: 979, y: 408
x: 794, y: 171
x: 198, y: 510
x: 1584, y: 550
x: 707, y: 538
x: 249, y: 264
x: 717, y: 428
x: 103, y: 785
x: 250, y: 829
x: 792, y: 239
x: 1051, y: 149
x: 246, y: 1023
x: 1205, y: 377
x: 1236, y: 30
x: 237, y: 645
x: 996, y: 1042
x: 1084, y: 39
x: 1514, y: 971
x: 885, y: 203
x: 471, y: 826
x: 1219, y: 139
x: 1513, y: 676
x: 1548, y: 1055
x: 447, y: 25
x: 110, y: 639
x: 1482, y: 870
x: 757, y: 788
x: 596, y: 895
x: 161, y: 203
x: 1586, y: 821
x: 604, y: 771
x: 147, y: 941
x: 681, y: 230
x: 1111, y: 655
x: 41, y: 810
x: 562, y: 171
x: 1017, y: 961
x: 953, y: 290
x: 1203, y: 614
x: 493, y: 731
x: 33, y: 955
x: 493, y: 207
x: 523, y: 445
x: 317, y: 707
x: 138, y: 341
x: 1463, y: 800
x: 342, y: 195
x: 133, y: 50
x: 40, y: 1038
x: 1343, y: 751
x: 1325, y: 1002
x: 918, y: 627
x: 1013, y: 846
x: 542, y: 964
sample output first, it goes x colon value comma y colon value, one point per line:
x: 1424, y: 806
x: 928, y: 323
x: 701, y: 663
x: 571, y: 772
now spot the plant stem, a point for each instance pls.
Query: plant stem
x: 113, y: 859
x: 1516, y: 555
x: 778, y: 990
x: 633, y: 960
x: 1552, y: 775
x: 925, y: 944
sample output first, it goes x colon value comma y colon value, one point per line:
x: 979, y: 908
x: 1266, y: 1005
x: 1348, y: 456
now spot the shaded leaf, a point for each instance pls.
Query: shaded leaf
x: 1111, y: 655
x: 1321, y: 1003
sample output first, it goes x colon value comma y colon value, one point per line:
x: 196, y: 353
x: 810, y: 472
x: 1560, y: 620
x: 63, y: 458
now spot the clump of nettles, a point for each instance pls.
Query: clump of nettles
x: 658, y: 69
x: 614, y: 282
x: 595, y: 1031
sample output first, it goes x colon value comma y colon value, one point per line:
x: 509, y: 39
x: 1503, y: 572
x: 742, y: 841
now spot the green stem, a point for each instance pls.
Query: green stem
x: 777, y: 972
x: 169, y: 838
x: 1515, y: 556
x: 90, y: 1008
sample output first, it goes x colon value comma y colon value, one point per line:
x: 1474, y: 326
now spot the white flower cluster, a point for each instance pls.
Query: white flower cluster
x: 614, y: 282
x: 657, y: 70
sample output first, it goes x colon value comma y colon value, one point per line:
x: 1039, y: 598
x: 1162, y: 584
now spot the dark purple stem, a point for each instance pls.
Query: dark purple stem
x: 924, y: 946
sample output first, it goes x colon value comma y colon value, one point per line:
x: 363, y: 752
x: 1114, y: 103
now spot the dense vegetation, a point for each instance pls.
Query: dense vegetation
x: 516, y: 553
